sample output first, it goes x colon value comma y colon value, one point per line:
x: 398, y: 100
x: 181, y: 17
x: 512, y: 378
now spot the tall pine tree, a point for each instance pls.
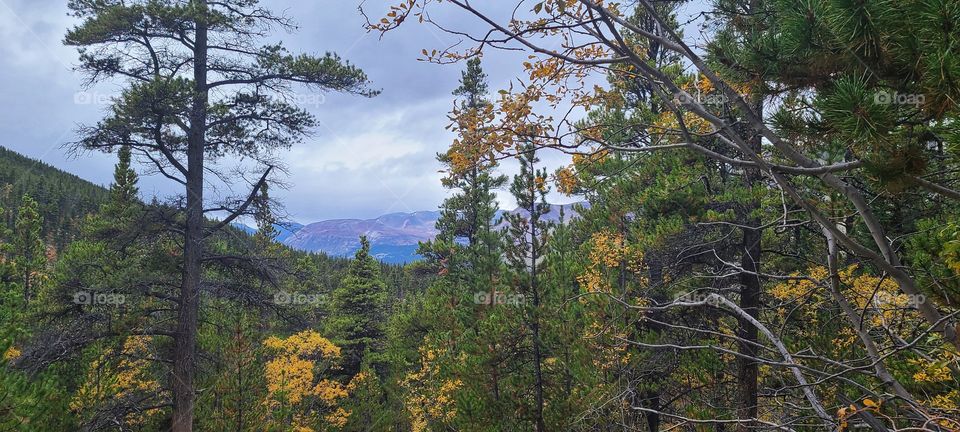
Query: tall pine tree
x: 29, y: 252
x: 201, y: 86
x: 357, y: 310
x: 527, y: 233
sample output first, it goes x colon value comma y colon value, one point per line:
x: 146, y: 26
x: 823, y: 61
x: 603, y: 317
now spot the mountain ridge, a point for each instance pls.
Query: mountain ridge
x: 64, y: 198
x: 394, y: 237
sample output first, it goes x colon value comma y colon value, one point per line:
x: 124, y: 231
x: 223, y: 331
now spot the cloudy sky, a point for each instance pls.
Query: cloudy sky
x: 368, y: 156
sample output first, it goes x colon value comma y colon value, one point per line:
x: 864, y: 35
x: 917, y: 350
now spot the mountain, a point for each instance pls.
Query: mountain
x: 64, y: 198
x: 553, y: 215
x: 394, y: 237
x: 284, y: 230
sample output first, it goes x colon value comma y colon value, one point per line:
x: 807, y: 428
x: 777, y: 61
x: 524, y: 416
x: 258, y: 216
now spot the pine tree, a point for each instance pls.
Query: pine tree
x: 11, y: 295
x: 29, y: 252
x: 468, y: 215
x: 743, y: 26
x: 563, y: 326
x: 236, y: 387
x: 119, y: 220
x: 527, y: 235
x: 6, y: 249
x: 202, y: 85
x: 461, y: 317
x: 357, y: 310
x: 266, y: 221
x: 124, y: 190
x: 473, y: 85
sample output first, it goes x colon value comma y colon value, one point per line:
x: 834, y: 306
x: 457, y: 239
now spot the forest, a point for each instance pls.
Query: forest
x: 766, y: 234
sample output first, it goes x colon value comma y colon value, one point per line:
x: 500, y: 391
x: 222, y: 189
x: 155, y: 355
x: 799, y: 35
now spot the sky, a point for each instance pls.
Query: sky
x: 368, y: 157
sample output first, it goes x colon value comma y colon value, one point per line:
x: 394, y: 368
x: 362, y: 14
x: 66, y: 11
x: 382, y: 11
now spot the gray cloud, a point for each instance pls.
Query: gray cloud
x: 368, y: 157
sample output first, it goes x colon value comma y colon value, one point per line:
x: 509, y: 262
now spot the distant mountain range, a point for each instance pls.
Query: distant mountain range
x: 65, y: 198
x: 394, y: 237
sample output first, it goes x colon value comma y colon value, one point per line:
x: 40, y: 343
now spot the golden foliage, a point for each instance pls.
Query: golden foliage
x: 12, y: 353
x: 109, y: 379
x: 566, y: 180
x: 305, y: 343
x: 606, y: 251
x: 477, y: 140
x: 883, y: 306
x: 935, y: 370
x: 881, y: 295
x: 338, y: 418
x: 430, y: 397
x: 291, y: 377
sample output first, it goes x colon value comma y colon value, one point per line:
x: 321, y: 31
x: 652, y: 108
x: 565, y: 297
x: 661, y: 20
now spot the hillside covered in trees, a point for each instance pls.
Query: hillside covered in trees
x: 63, y: 198
x: 768, y: 237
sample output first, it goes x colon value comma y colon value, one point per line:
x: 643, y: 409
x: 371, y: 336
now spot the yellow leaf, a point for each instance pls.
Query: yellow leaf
x: 11, y: 353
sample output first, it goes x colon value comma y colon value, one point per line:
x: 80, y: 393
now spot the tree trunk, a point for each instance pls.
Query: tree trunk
x: 184, y: 354
x: 748, y: 371
x: 26, y: 286
x: 537, y: 355
x: 652, y: 401
x: 535, y: 327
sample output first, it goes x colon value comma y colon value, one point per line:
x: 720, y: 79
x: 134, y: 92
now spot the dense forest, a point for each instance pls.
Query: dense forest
x: 768, y: 238
x: 63, y: 199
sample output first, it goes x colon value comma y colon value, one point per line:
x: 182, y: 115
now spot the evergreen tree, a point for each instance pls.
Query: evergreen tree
x: 29, y: 252
x: 201, y: 86
x: 123, y: 191
x: 527, y: 234
x: 263, y: 215
x: 467, y: 242
x: 469, y: 213
x: 357, y: 310
x: 750, y: 20
x: 236, y: 383
x: 473, y: 86
x: 459, y: 313
x: 6, y: 249
x: 569, y: 372
x: 120, y: 218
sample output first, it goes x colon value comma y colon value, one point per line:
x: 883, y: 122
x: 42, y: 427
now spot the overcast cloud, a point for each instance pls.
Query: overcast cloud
x: 368, y: 157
